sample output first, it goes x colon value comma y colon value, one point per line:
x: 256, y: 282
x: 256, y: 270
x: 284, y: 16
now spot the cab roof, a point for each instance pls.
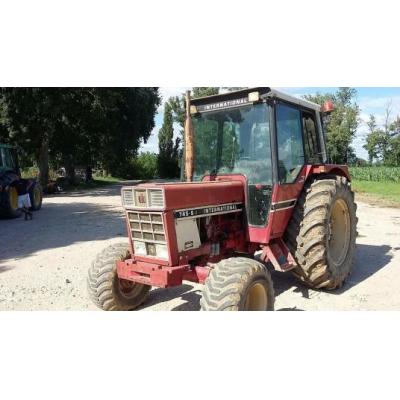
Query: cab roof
x: 265, y: 92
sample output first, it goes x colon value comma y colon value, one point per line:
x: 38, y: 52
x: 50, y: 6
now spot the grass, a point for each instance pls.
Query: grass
x: 385, y: 193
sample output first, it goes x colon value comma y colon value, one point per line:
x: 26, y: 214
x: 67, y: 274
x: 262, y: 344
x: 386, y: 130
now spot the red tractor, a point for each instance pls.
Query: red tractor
x: 258, y: 181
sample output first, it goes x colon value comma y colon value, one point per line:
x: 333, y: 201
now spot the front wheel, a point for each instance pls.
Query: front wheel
x: 238, y: 284
x: 109, y: 292
x: 36, y: 197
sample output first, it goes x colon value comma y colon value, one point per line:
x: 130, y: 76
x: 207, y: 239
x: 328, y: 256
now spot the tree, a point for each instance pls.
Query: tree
x: 204, y: 91
x: 177, y: 103
x: 342, y: 124
x: 372, y: 139
x: 145, y: 166
x: 393, y: 156
x: 382, y: 143
x: 168, y: 162
x: 79, y: 126
x: 30, y: 116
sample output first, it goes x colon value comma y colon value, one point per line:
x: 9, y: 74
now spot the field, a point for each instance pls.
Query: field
x: 376, y: 174
x: 377, y: 183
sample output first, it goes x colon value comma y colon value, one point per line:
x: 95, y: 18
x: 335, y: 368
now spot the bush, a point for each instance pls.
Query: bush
x: 144, y: 166
x: 33, y: 172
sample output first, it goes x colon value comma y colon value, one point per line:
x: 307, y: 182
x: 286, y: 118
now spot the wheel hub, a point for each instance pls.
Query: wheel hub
x: 339, y: 232
x: 128, y: 289
x: 257, y: 298
x: 36, y: 196
x: 13, y: 198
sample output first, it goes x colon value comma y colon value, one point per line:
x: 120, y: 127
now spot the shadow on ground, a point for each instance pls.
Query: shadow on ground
x: 4, y: 268
x: 369, y: 260
x: 183, y: 292
x: 59, y: 225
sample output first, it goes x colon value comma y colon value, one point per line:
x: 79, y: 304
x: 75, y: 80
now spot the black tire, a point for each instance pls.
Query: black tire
x: 106, y: 290
x: 9, y: 203
x: 230, y: 285
x: 36, y: 197
x: 322, y: 233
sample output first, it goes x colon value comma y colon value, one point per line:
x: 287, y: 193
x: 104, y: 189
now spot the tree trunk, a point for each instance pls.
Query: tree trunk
x: 43, y: 161
x: 89, y: 174
x: 70, y: 171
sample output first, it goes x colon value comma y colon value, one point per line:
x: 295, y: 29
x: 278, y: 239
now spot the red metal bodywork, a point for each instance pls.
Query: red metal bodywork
x: 195, y: 265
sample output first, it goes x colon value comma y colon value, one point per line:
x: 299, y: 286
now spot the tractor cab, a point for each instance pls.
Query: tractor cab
x: 264, y: 135
x: 8, y: 159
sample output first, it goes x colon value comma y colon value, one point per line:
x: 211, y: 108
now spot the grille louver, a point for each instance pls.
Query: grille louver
x: 156, y: 198
x: 128, y: 198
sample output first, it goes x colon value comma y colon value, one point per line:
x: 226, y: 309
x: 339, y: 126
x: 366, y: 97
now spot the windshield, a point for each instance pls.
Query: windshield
x: 8, y: 156
x: 234, y: 141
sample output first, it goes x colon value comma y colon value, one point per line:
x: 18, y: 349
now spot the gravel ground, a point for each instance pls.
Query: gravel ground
x: 43, y: 262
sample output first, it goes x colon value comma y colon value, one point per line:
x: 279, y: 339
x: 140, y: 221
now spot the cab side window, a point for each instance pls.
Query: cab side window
x: 312, y: 145
x: 290, y: 142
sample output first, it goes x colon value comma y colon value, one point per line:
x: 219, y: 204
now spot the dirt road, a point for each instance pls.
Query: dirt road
x: 43, y: 262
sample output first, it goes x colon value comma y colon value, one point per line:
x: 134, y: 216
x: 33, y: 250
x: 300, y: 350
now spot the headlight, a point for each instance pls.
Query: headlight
x: 139, y: 248
x: 161, y: 251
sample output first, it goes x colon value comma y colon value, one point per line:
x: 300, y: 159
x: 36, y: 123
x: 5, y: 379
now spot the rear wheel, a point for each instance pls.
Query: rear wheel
x: 238, y: 284
x: 109, y: 292
x: 9, y: 207
x: 322, y: 233
x: 36, y: 196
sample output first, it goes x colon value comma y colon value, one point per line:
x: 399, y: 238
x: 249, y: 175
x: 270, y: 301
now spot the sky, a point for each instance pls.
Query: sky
x: 371, y: 100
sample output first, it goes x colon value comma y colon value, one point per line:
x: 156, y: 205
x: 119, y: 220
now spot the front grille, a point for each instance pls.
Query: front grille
x: 147, y: 227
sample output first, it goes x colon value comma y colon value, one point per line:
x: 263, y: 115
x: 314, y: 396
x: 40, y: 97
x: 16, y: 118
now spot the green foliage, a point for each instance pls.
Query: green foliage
x: 393, y: 153
x: 204, y: 91
x: 168, y: 163
x: 177, y: 103
x: 376, y: 174
x: 101, y: 127
x: 145, y: 166
x: 342, y: 124
x: 383, y: 144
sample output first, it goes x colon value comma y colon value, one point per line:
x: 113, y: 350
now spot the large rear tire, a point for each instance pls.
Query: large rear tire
x: 238, y: 284
x: 322, y: 233
x: 106, y: 290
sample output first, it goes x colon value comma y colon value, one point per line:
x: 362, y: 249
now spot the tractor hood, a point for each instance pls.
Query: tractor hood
x: 182, y: 195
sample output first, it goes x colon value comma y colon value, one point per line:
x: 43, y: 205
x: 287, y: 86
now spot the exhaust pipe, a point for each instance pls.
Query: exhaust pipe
x: 189, y: 144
